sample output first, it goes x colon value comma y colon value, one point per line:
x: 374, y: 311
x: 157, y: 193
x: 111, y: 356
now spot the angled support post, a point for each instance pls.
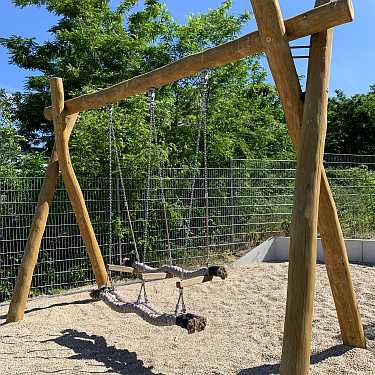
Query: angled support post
x: 71, y: 183
x: 64, y: 124
x: 30, y: 257
x: 275, y: 42
x: 336, y: 257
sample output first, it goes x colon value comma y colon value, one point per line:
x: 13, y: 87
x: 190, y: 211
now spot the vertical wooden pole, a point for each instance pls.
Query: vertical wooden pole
x: 25, y: 272
x: 272, y: 33
x: 303, y: 244
x: 71, y: 182
x: 336, y: 257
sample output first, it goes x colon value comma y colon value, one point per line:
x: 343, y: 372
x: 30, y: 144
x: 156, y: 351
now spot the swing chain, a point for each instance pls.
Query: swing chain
x: 109, y: 283
x: 159, y: 171
x: 151, y: 108
x: 110, y: 187
x: 180, y: 305
x: 203, y: 115
x: 142, y: 295
x: 202, y: 128
x: 113, y: 146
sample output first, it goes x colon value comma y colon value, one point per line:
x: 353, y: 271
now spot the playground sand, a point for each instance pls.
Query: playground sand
x: 71, y: 335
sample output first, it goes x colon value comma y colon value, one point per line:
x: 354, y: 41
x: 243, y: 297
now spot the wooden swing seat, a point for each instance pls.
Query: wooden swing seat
x: 144, y: 276
x: 216, y: 271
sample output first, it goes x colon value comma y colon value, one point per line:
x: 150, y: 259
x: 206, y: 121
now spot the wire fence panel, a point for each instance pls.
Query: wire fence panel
x: 249, y: 201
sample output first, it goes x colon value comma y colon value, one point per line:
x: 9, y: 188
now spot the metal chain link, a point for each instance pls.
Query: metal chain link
x: 202, y: 126
x: 110, y: 187
x: 142, y: 295
x: 159, y: 171
x: 204, y: 101
x: 180, y: 305
x: 151, y: 99
x: 117, y: 158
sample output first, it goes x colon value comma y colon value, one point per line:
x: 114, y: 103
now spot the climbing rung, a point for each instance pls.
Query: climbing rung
x: 156, y: 276
x: 299, y: 47
x: 194, y: 281
x: 301, y: 57
x: 117, y: 268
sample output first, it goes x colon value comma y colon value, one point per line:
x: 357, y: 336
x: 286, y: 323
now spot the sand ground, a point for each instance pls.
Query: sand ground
x: 73, y: 335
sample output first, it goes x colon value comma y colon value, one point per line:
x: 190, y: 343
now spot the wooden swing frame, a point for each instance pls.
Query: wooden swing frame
x: 306, y: 117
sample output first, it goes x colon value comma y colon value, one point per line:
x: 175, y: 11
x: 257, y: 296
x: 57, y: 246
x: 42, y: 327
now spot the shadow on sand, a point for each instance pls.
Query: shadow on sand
x: 79, y: 302
x: 334, y: 351
x: 93, y: 347
x: 369, y: 331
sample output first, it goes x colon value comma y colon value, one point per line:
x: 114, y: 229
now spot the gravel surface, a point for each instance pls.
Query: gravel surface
x: 245, y: 314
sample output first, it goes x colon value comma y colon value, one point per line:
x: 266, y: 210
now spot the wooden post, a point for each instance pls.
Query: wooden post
x: 303, y: 244
x: 338, y: 269
x: 71, y: 182
x: 336, y: 257
x: 30, y: 257
x: 272, y: 33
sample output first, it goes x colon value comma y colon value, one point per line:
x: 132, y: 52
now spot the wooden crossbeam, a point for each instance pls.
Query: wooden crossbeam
x: 328, y: 15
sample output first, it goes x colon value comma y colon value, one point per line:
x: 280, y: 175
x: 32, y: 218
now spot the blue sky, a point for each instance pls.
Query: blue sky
x: 353, y: 54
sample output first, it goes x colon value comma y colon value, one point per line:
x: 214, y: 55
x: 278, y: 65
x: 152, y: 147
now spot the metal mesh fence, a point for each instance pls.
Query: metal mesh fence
x: 249, y: 201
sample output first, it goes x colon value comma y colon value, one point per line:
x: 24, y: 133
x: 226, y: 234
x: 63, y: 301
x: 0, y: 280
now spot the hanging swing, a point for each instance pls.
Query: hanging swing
x: 142, y: 307
x: 168, y: 271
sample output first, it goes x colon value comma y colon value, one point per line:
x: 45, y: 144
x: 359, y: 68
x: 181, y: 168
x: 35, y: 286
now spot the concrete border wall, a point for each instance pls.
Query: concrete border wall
x: 276, y: 249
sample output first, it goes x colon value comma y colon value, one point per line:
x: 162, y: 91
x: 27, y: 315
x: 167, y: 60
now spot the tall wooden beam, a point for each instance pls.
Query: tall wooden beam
x: 328, y: 15
x: 336, y: 257
x: 30, y: 257
x: 304, y: 227
x: 286, y: 78
x: 71, y: 182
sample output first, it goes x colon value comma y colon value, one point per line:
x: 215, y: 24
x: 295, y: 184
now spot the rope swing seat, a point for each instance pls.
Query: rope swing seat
x: 191, y: 322
x: 142, y: 307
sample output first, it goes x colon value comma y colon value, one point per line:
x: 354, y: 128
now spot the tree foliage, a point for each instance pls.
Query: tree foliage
x: 351, y: 123
x: 13, y: 161
x: 9, y: 140
x: 93, y: 46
